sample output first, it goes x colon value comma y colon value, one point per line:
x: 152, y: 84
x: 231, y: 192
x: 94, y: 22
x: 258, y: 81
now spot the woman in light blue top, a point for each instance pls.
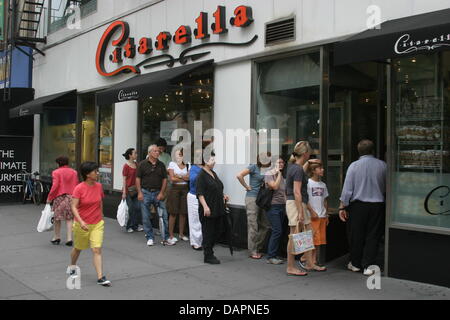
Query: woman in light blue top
x: 195, y: 226
x: 257, y: 224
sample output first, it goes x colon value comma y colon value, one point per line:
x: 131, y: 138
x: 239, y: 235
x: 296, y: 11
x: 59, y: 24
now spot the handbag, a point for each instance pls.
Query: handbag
x: 301, y: 241
x: 264, y: 197
x: 132, y: 191
x: 47, y: 219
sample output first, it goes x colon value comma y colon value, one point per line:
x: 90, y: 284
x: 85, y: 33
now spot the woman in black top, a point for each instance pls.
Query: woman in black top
x: 211, y: 211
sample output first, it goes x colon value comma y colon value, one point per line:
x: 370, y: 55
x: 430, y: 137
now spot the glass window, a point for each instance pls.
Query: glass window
x: 188, y: 100
x: 422, y: 141
x: 88, y: 135
x: 58, y: 132
x: 62, y: 10
x: 288, y: 99
x: 105, y: 145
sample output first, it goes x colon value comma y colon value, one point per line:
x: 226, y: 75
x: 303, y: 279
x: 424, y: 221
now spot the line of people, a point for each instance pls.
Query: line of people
x: 197, y: 192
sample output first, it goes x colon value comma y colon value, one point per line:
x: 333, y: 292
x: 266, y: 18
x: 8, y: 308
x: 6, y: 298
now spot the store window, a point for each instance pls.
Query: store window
x: 188, y: 100
x: 105, y: 145
x: 88, y: 136
x: 58, y: 132
x: 288, y: 99
x: 421, y: 146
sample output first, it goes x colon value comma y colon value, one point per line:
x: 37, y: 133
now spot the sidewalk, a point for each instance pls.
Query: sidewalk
x: 32, y: 268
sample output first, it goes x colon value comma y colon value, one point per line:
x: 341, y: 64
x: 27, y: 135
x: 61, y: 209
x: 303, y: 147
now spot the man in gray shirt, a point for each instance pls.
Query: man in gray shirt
x: 363, y: 206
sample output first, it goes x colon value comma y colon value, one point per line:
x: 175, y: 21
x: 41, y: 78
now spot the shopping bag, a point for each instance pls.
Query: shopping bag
x: 302, y: 241
x: 47, y: 219
x: 122, y: 213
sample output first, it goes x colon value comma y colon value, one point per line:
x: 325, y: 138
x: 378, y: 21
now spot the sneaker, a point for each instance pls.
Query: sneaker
x: 171, y: 242
x: 140, y: 229
x: 174, y: 239
x: 368, y: 272
x: 150, y: 242
x: 184, y: 238
x: 104, y: 282
x: 130, y: 230
x: 352, y: 268
x: 274, y: 261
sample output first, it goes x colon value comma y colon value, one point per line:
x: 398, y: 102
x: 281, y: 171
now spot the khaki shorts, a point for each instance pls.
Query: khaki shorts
x: 292, y: 213
x: 92, y: 238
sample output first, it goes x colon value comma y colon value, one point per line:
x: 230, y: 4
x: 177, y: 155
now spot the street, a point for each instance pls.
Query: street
x: 32, y: 268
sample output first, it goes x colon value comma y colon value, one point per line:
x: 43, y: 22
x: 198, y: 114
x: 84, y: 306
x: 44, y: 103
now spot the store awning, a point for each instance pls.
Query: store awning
x: 67, y: 99
x: 424, y: 33
x: 147, y: 85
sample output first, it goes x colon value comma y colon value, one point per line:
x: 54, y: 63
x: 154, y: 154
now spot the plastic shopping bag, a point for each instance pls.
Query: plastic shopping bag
x: 47, y: 219
x: 122, y: 213
x: 302, y: 241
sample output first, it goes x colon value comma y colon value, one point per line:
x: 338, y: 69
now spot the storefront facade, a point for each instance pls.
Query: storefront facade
x: 15, y: 135
x: 262, y: 65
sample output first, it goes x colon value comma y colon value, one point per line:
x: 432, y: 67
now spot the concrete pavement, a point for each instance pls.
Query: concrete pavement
x: 32, y: 268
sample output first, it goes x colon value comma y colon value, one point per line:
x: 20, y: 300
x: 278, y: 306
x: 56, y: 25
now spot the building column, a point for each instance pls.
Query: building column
x: 125, y: 136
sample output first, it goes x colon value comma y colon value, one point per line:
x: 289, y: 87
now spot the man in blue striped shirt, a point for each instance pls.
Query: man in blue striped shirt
x: 363, y: 206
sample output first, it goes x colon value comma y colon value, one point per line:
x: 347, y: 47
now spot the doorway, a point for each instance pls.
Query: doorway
x: 357, y: 110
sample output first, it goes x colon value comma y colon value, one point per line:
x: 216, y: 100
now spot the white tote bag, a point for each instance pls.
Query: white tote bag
x: 302, y: 241
x: 122, y: 213
x: 46, y: 220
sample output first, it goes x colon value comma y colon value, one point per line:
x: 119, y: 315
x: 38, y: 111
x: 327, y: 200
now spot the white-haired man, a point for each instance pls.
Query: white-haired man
x: 151, y: 183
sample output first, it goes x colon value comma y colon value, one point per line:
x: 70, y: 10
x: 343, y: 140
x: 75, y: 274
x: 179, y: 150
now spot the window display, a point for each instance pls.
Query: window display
x: 105, y: 146
x: 188, y: 100
x: 422, y: 140
x: 88, y: 128
x: 58, y: 132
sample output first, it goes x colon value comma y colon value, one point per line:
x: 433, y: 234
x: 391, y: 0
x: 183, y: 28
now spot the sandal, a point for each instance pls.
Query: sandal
x: 256, y: 256
x: 316, y: 268
x: 298, y: 274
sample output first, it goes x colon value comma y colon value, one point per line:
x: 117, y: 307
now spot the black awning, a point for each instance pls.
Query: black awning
x: 428, y: 32
x: 147, y: 85
x: 61, y: 100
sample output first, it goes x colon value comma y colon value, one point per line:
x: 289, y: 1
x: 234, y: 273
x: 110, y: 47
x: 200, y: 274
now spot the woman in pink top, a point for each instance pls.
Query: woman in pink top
x: 65, y: 180
x: 87, y: 207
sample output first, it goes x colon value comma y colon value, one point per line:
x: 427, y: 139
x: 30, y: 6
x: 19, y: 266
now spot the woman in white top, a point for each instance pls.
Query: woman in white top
x: 177, y: 197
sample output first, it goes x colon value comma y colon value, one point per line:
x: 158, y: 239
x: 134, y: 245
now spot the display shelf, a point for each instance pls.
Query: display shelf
x: 422, y: 119
x: 422, y: 143
x: 412, y: 167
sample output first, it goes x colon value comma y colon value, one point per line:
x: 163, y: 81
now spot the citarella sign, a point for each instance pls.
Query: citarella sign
x: 125, y: 48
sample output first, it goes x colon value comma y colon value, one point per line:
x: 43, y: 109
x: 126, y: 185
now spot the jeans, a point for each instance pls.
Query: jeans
x: 149, y: 199
x: 134, y: 210
x: 275, y: 215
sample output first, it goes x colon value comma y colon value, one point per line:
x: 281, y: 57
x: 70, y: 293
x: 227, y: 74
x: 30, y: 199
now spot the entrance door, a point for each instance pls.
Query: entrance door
x: 356, y: 111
